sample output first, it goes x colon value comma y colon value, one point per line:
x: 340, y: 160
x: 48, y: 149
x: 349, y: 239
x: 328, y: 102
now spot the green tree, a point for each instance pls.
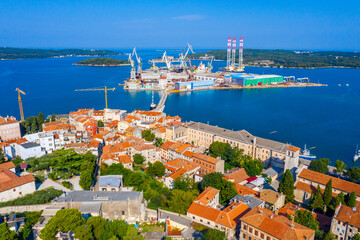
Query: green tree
x: 98, y: 226
x: 100, y: 123
x: 179, y: 201
x: 317, y: 202
x: 34, y: 126
x: 117, y: 228
x: 340, y: 166
x: 351, y: 200
x: 356, y: 237
x: 353, y: 173
x: 132, y: 234
x: 214, y: 234
x: 253, y: 167
x: 157, y: 169
x: 40, y: 120
x: 215, y: 180
x: 320, y: 165
x: 139, y: 159
x: 148, y: 135
x: 65, y: 221
x: 5, y: 232
x: 182, y: 183
x: 330, y: 236
x: 53, y: 117
x: 306, y: 219
x: 287, y: 186
x: 328, y: 193
x: 87, y: 171
x: 84, y: 232
x: 136, y: 179
x: 159, y: 142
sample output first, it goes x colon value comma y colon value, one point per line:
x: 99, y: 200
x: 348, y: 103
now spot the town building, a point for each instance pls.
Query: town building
x: 261, y: 223
x: 346, y: 222
x: 273, y: 200
x: 250, y: 200
x: 307, y: 182
x: 30, y: 149
x: 264, y: 149
x: 207, y: 163
x: 125, y: 205
x: 8, y: 165
x: 9, y: 128
x: 13, y: 186
x: 236, y: 175
x: 111, y: 183
x: 176, y: 133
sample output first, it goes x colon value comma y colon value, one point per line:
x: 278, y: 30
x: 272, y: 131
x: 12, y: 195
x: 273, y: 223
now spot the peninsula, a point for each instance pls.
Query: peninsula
x: 103, y: 62
x: 28, y: 53
x: 289, y: 58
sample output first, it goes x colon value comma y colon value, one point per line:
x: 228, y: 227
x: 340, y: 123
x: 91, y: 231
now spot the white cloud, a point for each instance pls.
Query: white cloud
x: 189, y: 17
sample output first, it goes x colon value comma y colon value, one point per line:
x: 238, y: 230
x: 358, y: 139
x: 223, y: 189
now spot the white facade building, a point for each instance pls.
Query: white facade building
x: 30, y: 149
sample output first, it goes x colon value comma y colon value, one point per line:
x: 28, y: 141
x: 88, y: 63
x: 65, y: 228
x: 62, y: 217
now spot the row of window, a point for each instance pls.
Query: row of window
x: 254, y: 232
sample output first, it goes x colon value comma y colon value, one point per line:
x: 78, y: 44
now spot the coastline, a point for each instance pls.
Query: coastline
x: 102, y: 65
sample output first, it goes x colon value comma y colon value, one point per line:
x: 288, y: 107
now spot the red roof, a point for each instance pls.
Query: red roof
x: 250, y: 179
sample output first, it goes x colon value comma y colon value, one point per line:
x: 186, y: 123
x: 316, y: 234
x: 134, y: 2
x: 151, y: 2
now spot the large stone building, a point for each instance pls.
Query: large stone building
x: 110, y: 205
x: 260, y: 223
x: 307, y: 181
x: 12, y: 186
x: 9, y: 128
x: 264, y: 149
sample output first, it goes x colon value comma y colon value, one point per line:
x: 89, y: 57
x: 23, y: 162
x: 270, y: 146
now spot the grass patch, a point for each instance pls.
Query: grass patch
x: 38, y: 197
x: 152, y: 227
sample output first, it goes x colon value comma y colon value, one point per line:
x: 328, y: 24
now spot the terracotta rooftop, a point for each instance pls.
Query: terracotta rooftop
x: 7, y: 120
x: 7, y: 165
x: 181, y: 163
x: 236, y: 175
x: 178, y: 173
x: 242, y: 190
x: 207, y: 195
x: 269, y: 196
x: 277, y: 226
x: 166, y: 145
x: 9, y: 180
x: 336, y: 182
x: 347, y: 214
x: 294, y: 149
x: 205, y: 157
x: 229, y: 217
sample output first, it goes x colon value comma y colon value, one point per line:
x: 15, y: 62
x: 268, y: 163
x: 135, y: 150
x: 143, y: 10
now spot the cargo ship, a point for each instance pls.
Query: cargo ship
x: 307, y: 155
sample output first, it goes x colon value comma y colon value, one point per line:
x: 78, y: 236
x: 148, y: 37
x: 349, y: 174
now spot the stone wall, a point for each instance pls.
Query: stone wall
x: 24, y: 208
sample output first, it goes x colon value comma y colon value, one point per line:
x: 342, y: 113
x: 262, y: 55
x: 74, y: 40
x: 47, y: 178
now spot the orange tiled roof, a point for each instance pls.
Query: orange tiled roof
x: 7, y: 120
x: 294, y: 149
x: 148, y: 113
x: 188, y: 154
x: 229, y: 217
x: 166, y: 145
x: 9, y: 180
x: 242, y: 190
x: 236, y: 176
x: 336, y: 182
x: 205, y: 158
x: 178, y: 173
x: 181, y: 163
x: 7, y: 165
x: 346, y: 214
x: 207, y: 195
x: 276, y: 225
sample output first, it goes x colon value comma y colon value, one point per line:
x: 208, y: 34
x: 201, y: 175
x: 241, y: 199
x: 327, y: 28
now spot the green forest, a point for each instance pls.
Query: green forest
x: 291, y: 59
x: 102, y: 61
x: 27, y: 53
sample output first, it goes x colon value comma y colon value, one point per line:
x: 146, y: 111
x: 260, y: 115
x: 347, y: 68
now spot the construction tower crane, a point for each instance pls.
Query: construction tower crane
x: 20, y: 103
x: 138, y: 59
x: 98, y: 89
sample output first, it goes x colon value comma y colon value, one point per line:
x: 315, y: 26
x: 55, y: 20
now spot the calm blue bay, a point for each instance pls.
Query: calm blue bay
x: 326, y: 118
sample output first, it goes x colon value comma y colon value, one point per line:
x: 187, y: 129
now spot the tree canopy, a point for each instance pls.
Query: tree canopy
x: 320, y: 165
x: 215, y: 180
x: 148, y: 135
x: 5, y: 232
x: 317, y: 202
x: 306, y: 219
x: 287, y: 186
x: 340, y: 166
x: 138, y: 158
x: 157, y: 169
x: 212, y: 234
x: 353, y: 173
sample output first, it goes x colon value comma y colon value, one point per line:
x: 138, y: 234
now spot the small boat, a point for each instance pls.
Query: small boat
x: 272, y: 132
x: 339, y: 85
x: 152, y: 105
x: 357, y: 153
x: 347, y: 84
x: 306, y: 154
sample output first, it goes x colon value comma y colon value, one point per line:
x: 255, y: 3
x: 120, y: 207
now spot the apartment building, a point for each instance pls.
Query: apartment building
x: 9, y: 128
x: 207, y: 163
x: 346, y: 222
x: 307, y: 181
x: 264, y: 149
x: 263, y: 224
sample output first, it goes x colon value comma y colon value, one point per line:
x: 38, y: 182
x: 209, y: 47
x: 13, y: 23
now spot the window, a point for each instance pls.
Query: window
x: 268, y: 238
x: 262, y: 236
x: 244, y: 236
x: 14, y: 190
x: 244, y: 227
x: 201, y: 220
x: 123, y: 213
x: 193, y: 217
x: 20, y: 193
x: 250, y: 230
x: 256, y: 233
x: 208, y: 222
x: 249, y: 238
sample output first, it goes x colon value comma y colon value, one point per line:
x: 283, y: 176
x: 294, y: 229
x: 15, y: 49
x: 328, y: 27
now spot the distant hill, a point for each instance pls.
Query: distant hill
x: 291, y: 59
x: 28, y: 53
x: 103, y: 62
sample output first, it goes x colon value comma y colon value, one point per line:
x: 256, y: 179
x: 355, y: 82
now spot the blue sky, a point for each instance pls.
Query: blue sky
x: 266, y: 24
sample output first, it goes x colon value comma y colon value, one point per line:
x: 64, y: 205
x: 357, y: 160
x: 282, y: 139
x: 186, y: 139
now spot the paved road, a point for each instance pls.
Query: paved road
x: 50, y: 183
x: 75, y: 182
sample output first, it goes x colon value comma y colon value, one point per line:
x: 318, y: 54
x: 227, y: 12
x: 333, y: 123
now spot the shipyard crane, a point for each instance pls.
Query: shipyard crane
x: 132, y: 72
x: 210, y: 66
x: 166, y: 60
x: 20, y: 103
x: 182, y: 56
x: 138, y: 59
x: 98, y: 89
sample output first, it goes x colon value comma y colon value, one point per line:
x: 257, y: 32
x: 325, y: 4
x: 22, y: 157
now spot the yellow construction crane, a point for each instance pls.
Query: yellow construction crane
x: 20, y: 103
x: 98, y: 89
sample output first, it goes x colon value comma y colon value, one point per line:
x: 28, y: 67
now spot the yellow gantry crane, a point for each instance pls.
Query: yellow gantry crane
x: 20, y: 103
x: 98, y: 89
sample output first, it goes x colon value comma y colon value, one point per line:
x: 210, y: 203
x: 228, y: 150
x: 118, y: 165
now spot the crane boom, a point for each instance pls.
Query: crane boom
x: 105, y: 89
x: 20, y: 103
